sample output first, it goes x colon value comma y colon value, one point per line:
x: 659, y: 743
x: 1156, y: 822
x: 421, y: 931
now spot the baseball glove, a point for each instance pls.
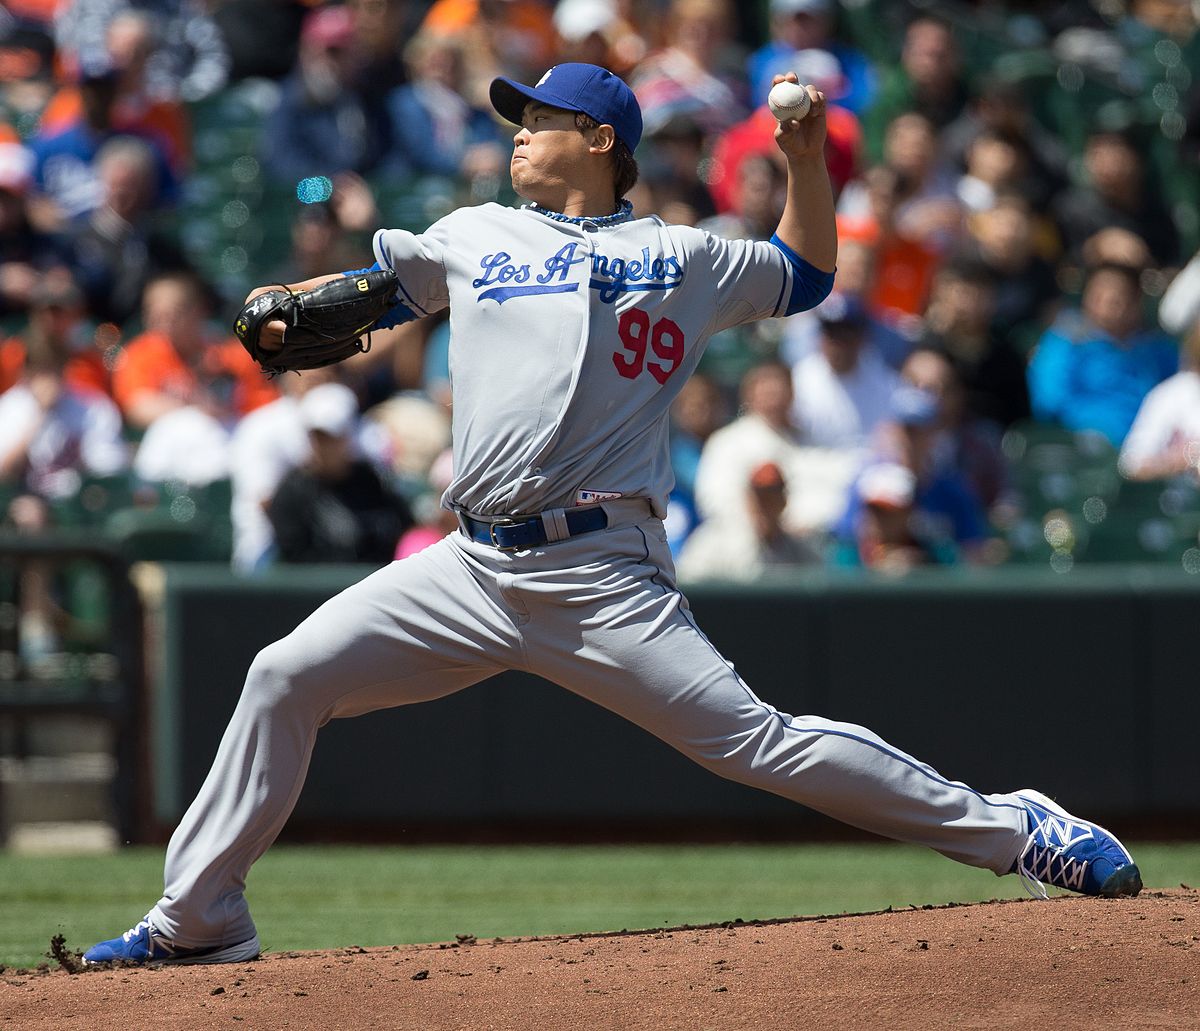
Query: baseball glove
x: 324, y: 324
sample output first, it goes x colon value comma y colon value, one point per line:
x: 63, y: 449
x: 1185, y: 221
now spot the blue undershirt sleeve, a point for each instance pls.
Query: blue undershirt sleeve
x: 810, y: 286
x: 394, y: 316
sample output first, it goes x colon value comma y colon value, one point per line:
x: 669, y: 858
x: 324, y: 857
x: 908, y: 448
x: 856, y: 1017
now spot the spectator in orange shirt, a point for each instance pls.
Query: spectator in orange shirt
x: 904, y: 267
x: 499, y: 37
x: 177, y: 363
x: 57, y: 325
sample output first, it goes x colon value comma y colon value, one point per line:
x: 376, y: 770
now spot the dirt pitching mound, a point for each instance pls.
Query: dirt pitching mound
x: 1068, y: 963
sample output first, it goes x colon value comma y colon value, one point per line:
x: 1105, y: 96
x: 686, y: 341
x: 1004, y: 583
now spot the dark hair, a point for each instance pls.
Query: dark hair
x: 625, y: 166
x: 968, y: 269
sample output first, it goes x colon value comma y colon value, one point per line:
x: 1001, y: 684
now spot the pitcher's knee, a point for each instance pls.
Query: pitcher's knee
x: 275, y: 675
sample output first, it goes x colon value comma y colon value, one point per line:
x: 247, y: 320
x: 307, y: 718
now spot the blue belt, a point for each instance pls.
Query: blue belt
x: 513, y: 534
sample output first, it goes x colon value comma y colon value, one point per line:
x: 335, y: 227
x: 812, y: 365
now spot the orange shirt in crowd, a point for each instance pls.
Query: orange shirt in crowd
x: 523, y: 17
x: 84, y: 372
x: 904, y: 269
x: 150, y: 363
x: 165, y: 122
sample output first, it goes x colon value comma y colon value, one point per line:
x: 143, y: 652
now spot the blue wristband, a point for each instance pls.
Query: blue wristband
x: 394, y: 316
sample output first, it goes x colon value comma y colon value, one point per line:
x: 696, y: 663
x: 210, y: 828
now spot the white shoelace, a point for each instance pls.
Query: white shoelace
x: 136, y: 929
x: 1031, y: 876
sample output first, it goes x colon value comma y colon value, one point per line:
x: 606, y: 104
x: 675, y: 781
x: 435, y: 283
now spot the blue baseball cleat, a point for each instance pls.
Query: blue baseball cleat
x: 145, y: 943
x: 1071, y: 853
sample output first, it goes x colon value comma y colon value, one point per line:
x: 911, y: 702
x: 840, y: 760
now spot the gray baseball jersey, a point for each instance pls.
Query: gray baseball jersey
x: 570, y: 340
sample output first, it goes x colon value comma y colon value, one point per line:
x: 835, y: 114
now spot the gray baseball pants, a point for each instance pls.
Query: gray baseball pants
x: 599, y: 615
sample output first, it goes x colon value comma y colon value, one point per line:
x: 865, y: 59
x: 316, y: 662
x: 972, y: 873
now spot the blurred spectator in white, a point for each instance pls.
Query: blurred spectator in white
x: 25, y: 252
x: 435, y: 130
x: 843, y: 389
x: 187, y: 60
x: 958, y: 322
x: 185, y: 386
x: 750, y: 548
x: 696, y: 74
x: 433, y: 521
x: 56, y: 325
x: 929, y: 80
x: 324, y: 122
x: 1093, y: 367
x: 54, y: 434
x: 799, y: 25
x: 116, y: 248
x: 755, y: 135
x: 1164, y: 440
x: 1118, y: 192
x: 334, y: 507
x: 266, y: 445
x: 499, y: 37
x: 764, y: 432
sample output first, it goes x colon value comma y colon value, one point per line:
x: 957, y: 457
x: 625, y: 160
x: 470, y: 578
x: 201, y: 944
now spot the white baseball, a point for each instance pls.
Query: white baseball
x: 788, y: 100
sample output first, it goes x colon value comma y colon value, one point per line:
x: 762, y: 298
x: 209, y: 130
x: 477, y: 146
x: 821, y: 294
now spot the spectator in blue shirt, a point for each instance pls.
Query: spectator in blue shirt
x: 798, y: 25
x: 1093, y: 367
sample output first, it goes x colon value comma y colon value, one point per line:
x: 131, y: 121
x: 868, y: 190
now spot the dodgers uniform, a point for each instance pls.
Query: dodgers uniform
x: 570, y: 337
x: 569, y: 340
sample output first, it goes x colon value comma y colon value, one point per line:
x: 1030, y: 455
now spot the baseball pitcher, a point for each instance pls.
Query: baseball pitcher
x: 573, y: 327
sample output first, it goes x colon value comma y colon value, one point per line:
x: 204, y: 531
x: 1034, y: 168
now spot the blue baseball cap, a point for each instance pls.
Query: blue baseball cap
x: 575, y: 87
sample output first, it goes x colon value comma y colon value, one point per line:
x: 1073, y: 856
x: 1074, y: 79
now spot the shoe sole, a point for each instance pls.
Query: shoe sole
x: 1123, y: 883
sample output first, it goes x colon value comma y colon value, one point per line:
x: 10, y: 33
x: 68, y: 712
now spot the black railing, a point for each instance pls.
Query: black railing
x: 92, y: 663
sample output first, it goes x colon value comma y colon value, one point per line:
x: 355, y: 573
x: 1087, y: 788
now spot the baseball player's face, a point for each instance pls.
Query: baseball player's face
x: 548, y: 151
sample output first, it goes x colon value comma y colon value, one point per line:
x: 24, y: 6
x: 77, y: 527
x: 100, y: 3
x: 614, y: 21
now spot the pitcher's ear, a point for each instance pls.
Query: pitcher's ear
x: 604, y: 139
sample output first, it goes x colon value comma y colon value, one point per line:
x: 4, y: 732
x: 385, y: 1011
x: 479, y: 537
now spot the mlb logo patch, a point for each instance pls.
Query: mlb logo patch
x: 594, y: 497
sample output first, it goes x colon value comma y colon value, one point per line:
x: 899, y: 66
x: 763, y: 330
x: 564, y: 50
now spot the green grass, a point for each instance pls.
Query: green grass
x: 324, y: 897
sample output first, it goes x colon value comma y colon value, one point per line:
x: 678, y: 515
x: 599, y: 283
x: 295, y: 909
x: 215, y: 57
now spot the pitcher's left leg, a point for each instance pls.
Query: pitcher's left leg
x: 637, y: 651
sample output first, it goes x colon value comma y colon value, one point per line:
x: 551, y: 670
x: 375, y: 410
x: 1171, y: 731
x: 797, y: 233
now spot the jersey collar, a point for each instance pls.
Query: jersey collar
x: 622, y: 214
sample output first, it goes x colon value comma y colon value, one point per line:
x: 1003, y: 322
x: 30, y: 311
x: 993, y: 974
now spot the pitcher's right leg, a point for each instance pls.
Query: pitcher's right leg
x: 416, y: 630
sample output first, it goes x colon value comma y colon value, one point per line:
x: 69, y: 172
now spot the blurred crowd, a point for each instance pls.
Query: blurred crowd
x: 1018, y: 202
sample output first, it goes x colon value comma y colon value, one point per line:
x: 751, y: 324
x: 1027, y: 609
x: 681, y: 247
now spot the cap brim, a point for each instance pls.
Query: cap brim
x: 509, y: 99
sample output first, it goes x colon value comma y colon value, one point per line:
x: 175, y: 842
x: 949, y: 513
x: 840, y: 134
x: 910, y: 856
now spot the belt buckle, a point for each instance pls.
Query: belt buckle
x: 492, y: 534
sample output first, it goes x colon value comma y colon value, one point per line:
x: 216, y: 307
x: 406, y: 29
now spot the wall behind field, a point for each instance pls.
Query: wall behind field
x: 1082, y: 685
